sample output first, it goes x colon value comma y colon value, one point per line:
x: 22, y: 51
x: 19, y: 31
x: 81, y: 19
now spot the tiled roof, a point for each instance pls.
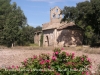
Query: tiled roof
x: 66, y: 25
x: 57, y: 26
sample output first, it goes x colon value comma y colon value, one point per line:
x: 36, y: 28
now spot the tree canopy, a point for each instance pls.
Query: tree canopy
x: 87, y: 16
x: 13, y: 25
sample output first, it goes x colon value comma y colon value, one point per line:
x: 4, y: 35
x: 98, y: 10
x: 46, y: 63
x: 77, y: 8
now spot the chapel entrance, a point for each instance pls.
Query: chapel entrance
x: 47, y: 38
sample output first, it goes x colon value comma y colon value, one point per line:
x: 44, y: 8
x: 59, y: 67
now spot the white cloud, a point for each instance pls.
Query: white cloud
x: 48, y: 1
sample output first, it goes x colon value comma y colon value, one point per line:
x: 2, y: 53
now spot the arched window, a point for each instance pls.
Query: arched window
x: 54, y: 16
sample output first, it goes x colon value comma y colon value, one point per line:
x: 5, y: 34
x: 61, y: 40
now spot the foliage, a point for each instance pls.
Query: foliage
x: 4, y: 9
x: 14, y: 29
x: 13, y: 19
x: 86, y: 15
x: 89, y: 34
x: 38, y: 28
x: 26, y: 35
x: 60, y: 63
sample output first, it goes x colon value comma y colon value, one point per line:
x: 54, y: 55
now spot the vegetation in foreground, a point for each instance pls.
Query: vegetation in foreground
x: 60, y: 63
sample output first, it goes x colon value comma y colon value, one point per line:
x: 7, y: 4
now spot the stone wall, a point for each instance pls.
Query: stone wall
x: 55, y: 33
x: 67, y: 37
x: 48, y: 38
x: 62, y: 38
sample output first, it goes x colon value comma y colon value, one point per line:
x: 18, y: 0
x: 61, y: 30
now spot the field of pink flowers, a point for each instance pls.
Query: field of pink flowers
x: 59, y: 63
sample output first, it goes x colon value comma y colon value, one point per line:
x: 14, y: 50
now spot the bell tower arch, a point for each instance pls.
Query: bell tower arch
x: 55, y: 15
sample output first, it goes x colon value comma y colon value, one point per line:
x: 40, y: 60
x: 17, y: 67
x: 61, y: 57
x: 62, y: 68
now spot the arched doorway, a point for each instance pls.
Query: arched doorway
x: 47, y: 38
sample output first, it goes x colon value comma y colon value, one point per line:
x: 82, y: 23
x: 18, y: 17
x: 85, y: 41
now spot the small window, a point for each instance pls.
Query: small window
x: 54, y: 16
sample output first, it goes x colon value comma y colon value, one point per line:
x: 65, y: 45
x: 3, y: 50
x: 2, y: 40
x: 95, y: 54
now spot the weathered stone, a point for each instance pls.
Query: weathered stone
x: 60, y: 34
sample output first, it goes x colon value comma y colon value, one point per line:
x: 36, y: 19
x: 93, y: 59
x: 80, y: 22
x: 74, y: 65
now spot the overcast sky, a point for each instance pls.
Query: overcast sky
x: 38, y: 11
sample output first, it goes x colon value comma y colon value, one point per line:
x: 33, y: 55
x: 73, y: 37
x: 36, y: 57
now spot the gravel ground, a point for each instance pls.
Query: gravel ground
x: 9, y: 57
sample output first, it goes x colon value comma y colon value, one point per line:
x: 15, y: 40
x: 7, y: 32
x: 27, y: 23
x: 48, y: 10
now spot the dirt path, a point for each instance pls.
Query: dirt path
x: 9, y: 57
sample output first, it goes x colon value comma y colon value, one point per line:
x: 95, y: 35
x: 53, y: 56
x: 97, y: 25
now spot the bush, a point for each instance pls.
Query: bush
x: 60, y: 63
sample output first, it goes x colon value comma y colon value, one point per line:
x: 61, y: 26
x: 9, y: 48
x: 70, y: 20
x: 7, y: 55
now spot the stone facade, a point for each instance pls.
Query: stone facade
x: 56, y: 33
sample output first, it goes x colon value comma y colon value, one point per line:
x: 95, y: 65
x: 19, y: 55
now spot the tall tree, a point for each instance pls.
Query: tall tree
x: 4, y: 10
x: 26, y: 35
x: 14, y: 21
x: 87, y: 16
x: 38, y: 28
x: 96, y: 18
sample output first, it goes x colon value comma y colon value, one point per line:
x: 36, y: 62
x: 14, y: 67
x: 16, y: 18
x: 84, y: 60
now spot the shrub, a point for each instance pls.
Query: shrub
x: 60, y: 63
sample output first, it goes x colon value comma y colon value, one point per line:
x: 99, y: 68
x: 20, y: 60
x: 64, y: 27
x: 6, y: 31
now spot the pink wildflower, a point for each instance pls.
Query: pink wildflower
x: 87, y: 73
x: 90, y: 66
x: 53, y: 58
x: 17, y: 67
x: 69, y: 63
x: 88, y: 59
x: 83, y: 72
x: 57, y: 73
x: 13, y: 66
x: 49, y: 67
x: 34, y: 56
x: 82, y: 59
x: 67, y: 54
x: 25, y: 61
x: 47, y: 61
x: 42, y: 62
x: 56, y: 53
x: 73, y: 55
x: 75, y: 69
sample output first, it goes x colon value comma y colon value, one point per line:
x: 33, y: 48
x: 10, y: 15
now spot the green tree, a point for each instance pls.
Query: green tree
x: 13, y: 25
x: 87, y: 16
x: 88, y: 35
x: 4, y: 10
x: 26, y: 35
x: 38, y: 28
x: 96, y: 18
x: 14, y: 21
x: 70, y: 13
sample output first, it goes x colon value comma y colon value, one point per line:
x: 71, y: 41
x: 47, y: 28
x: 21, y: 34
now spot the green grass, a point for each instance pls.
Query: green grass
x: 34, y: 45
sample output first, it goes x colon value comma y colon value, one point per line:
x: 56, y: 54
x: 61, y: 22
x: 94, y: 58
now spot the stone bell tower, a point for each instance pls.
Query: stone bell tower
x: 55, y: 15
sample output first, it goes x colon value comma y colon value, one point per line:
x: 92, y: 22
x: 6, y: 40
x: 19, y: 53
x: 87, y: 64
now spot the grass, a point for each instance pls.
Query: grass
x: 77, y: 48
x: 90, y: 50
x: 85, y: 49
x: 34, y: 45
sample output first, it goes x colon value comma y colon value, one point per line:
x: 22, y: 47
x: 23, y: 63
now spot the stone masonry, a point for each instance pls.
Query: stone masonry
x: 56, y: 33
